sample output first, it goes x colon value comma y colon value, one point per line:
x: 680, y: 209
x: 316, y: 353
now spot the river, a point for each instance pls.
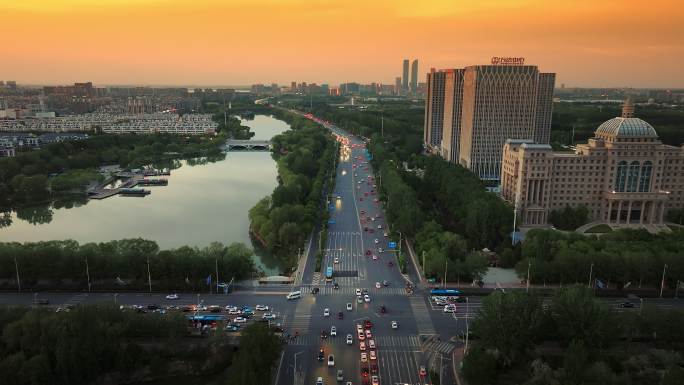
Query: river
x: 202, y: 203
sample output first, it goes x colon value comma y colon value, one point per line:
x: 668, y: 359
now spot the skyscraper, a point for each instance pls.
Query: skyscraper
x: 414, y: 76
x: 397, y: 85
x: 405, y: 76
x: 482, y: 106
x: 434, y: 110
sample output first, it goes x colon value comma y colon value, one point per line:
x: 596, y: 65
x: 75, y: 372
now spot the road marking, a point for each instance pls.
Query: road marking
x: 422, y: 315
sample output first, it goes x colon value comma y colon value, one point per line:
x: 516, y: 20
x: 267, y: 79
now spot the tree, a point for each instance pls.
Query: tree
x: 509, y: 323
x: 259, y: 349
x: 579, y: 317
x: 480, y: 367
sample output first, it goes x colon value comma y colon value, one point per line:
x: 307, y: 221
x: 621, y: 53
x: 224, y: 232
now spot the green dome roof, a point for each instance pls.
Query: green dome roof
x: 626, y: 128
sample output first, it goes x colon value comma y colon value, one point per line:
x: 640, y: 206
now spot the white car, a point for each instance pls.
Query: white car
x: 385, y: 234
x: 240, y: 320
x: 326, y: 312
x: 375, y: 257
x: 395, y: 325
x: 375, y: 380
x: 331, y: 360
x: 349, y: 306
x: 371, y: 344
x: 319, y: 381
x: 261, y: 307
x: 380, y: 226
x: 366, y: 298
x: 336, y: 260
x: 269, y: 316
x: 380, y: 250
x: 378, y: 285
x: 350, y: 339
x: 364, y: 357
x: 333, y: 331
x: 373, y: 355
x: 172, y: 296
x: 358, y: 292
x: 376, y: 240
x: 450, y: 309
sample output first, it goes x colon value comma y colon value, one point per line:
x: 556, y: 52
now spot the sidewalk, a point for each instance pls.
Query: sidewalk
x: 456, y: 359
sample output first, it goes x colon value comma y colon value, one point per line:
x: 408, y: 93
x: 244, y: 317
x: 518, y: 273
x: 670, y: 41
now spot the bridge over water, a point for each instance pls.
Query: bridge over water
x: 248, y: 145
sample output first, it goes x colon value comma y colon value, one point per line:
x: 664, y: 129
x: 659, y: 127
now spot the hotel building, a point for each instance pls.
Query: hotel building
x: 624, y: 175
x: 476, y: 109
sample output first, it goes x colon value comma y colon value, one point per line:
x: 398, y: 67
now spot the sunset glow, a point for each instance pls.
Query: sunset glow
x: 238, y: 42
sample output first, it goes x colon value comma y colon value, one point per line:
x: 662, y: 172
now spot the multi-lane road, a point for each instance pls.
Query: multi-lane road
x: 425, y: 335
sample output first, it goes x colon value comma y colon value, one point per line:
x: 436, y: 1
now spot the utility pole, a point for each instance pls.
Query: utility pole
x: 591, y: 272
x: 465, y: 349
x: 446, y: 265
x: 149, y: 276
x: 662, y: 281
x: 16, y: 266
x: 87, y: 272
x: 529, y: 264
x: 217, y: 277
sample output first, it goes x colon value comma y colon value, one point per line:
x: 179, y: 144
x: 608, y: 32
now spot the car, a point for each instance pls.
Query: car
x: 364, y: 357
x: 375, y: 257
x: 422, y: 372
x: 385, y: 234
x: 361, y: 338
x: 362, y: 345
x: 376, y: 241
x: 349, y: 306
x: 268, y: 316
x: 315, y: 290
x: 627, y: 305
x: 366, y: 298
x: 172, y: 296
x: 152, y: 307
x: 261, y: 307
x: 340, y: 375
x: 324, y: 334
x: 449, y: 308
x: 340, y: 315
x: 364, y: 371
x: 383, y: 309
x: 333, y: 331
x: 377, y: 285
x: 359, y: 328
x: 230, y: 308
x: 368, y: 252
x: 359, y: 299
x: 232, y: 327
x: 375, y: 380
x: 380, y: 250
x: 385, y: 283
x: 362, y: 211
x: 336, y: 260
x: 373, y: 355
x: 350, y: 339
x: 367, y: 324
x: 394, y: 325
x: 365, y: 228
x: 374, y: 368
x: 336, y: 285
x: 326, y: 312
x: 319, y: 381
x: 234, y: 311
x: 240, y: 320
x: 369, y: 335
x: 331, y: 360
x: 379, y: 226
x: 371, y: 344
x: 321, y: 355
x: 215, y: 309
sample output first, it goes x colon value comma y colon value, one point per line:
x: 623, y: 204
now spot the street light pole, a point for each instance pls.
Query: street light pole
x: 591, y: 272
x: 446, y: 264
x: 529, y: 264
x: 465, y: 349
x: 662, y: 281
x: 16, y: 266
x: 149, y: 276
x: 87, y: 272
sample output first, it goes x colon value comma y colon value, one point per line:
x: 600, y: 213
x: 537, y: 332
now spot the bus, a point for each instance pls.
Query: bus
x: 445, y: 292
x: 328, y: 273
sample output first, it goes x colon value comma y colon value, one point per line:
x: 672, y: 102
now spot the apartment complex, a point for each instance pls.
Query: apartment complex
x: 624, y: 175
x: 189, y: 124
x: 484, y: 105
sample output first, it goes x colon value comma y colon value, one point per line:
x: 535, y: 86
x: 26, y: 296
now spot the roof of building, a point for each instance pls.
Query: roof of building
x: 626, y: 127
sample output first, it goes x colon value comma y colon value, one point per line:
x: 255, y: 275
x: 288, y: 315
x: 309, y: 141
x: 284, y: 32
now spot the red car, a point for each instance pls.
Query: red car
x: 368, y: 252
x: 367, y: 324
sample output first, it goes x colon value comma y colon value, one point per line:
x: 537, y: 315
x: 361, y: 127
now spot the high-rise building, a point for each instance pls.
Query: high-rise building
x: 434, y: 110
x: 624, y: 175
x: 293, y: 87
x: 414, y: 76
x: 488, y: 104
x: 405, y: 76
x: 397, y: 85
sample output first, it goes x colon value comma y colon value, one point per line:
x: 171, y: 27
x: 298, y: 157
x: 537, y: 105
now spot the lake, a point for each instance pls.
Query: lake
x: 202, y: 203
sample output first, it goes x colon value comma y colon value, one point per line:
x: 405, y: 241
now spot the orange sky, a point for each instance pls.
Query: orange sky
x: 237, y: 42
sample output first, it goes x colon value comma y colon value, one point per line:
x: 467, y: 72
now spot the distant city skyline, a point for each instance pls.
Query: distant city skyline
x: 613, y: 43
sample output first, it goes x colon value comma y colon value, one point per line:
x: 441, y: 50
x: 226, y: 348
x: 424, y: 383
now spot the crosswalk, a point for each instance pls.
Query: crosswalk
x: 394, y: 343
x: 316, y: 279
x: 422, y: 315
x: 351, y: 291
x: 77, y: 299
x: 438, y: 346
x: 300, y: 320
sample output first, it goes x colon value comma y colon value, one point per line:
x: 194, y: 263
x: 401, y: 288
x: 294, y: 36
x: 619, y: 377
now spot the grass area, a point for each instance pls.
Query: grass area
x: 602, y: 228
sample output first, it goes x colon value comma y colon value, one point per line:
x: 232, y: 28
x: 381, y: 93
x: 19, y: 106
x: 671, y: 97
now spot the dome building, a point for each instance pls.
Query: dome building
x: 624, y: 175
